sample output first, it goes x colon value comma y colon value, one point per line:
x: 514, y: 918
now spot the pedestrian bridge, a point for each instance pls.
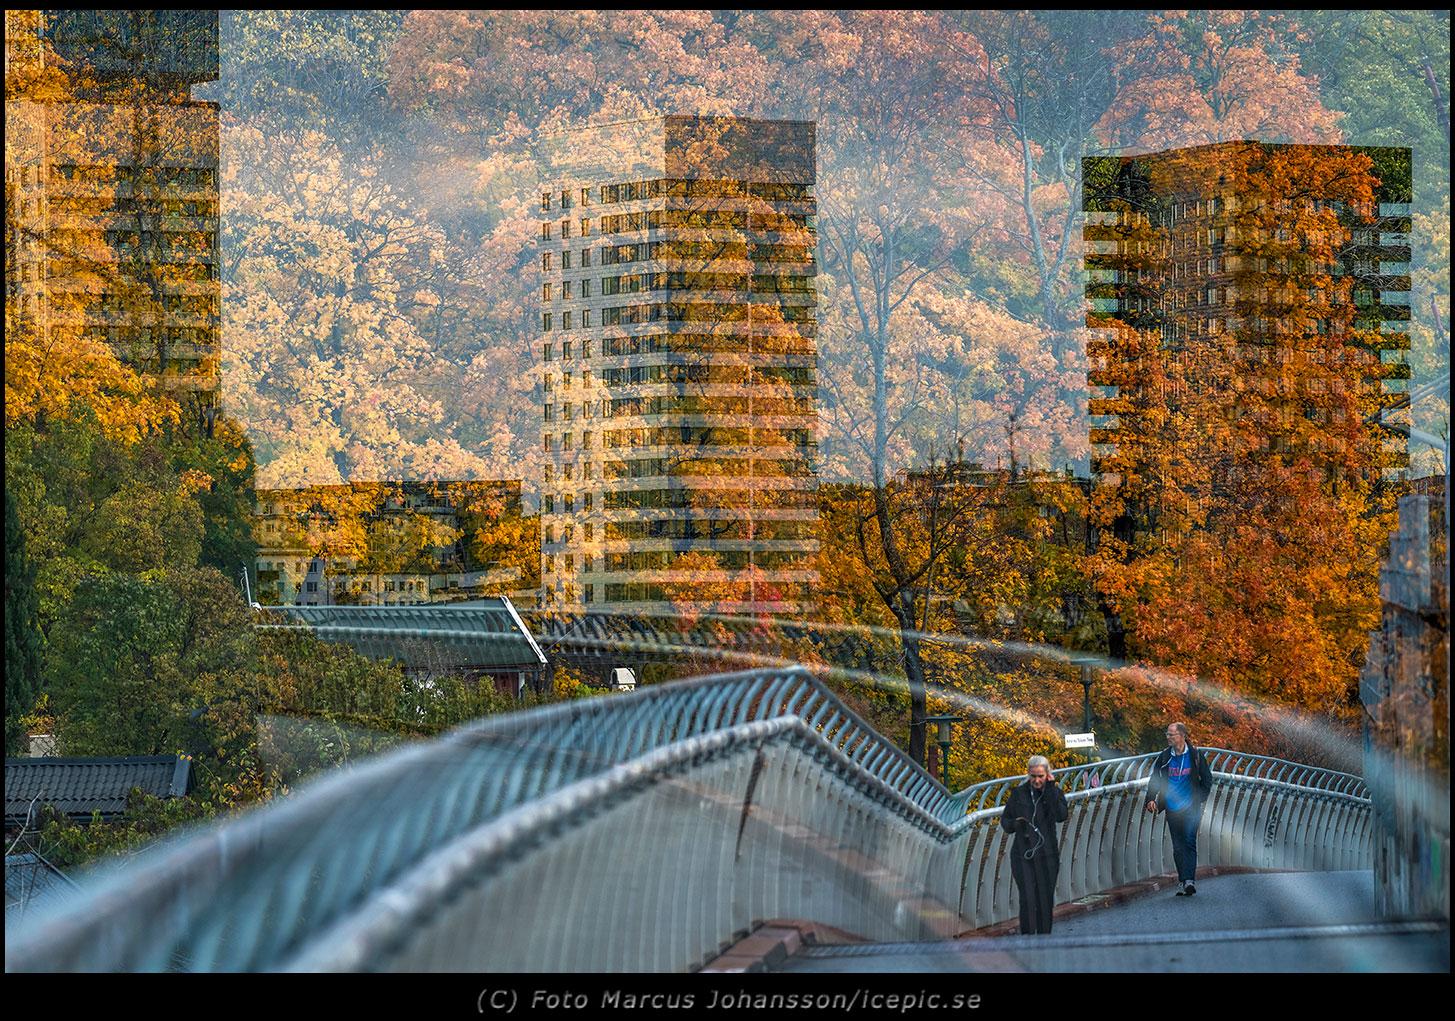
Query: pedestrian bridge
x: 646, y: 832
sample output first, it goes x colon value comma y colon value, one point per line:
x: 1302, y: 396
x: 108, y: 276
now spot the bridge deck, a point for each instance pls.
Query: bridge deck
x: 1261, y: 922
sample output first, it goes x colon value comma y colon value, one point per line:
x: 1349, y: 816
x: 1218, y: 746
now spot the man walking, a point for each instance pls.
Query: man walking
x: 1031, y: 813
x: 1181, y: 781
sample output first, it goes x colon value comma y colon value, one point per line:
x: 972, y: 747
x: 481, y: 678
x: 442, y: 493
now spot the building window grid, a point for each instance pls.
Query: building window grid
x: 565, y: 440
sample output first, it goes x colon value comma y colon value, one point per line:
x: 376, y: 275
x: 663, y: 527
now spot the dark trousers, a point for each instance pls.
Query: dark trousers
x: 1183, y: 828
x: 1035, y: 880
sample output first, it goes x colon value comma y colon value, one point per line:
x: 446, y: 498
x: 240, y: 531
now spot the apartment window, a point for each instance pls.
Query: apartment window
x: 546, y: 231
x: 550, y: 473
x: 586, y: 353
x: 590, y: 595
x: 312, y: 586
x: 545, y: 292
x: 549, y: 354
x: 565, y: 324
x: 546, y: 261
x: 549, y: 413
x: 550, y: 508
x: 585, y: 258
x: 585, y: 226
x: 586, y: 501
x: 570, y: 503
x: 585, y: 436
x: 545, y: 202
x: 587, y: 536
x: 565, y: 199
x: 546, y: 322
x: 586, y: 288
x: 548, y: 442
x: 565, y: 441
x: 565, y: 260
x: 565, y: 350
x: 585, y: 319
x: 585, y: 197
x: 565, y: 228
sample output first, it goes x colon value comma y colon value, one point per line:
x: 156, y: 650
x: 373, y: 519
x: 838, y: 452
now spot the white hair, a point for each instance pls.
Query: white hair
x: 1037, y: 760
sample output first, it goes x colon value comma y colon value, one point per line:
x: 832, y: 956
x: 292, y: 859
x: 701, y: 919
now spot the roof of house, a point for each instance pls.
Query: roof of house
x: 481, y: 634
x: 80, y: 787
x: 32, y: 883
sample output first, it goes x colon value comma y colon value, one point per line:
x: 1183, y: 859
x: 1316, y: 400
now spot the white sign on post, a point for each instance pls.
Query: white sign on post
x: 1080, y: 740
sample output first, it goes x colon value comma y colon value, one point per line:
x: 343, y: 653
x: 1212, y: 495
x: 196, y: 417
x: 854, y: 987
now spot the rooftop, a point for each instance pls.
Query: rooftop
x: 477, y: 634
x: 80, y: 787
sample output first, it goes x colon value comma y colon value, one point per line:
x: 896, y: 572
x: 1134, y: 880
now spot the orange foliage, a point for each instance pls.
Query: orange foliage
x: 1215, y: 76
x: 1245, y: 501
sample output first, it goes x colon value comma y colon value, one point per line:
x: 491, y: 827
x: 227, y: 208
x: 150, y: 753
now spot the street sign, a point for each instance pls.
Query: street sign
x: 1080, y: 740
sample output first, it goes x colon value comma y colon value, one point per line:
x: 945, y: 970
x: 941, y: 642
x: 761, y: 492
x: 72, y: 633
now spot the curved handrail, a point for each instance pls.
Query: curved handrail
x: 990, y: 793
x: 397, y: 809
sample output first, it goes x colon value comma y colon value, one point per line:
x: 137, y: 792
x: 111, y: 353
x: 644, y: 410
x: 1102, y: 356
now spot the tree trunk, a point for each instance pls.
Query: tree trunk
x: 915, y: 674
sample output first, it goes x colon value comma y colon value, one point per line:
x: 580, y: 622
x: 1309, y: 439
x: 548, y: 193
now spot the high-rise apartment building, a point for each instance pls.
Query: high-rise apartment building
x: 111, y: 181
x: 677, y: 315
x: 1270, y: 277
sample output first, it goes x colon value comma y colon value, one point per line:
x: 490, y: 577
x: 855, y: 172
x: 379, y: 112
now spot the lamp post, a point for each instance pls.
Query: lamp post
x: 943, y: 725
x: 1087, y: 680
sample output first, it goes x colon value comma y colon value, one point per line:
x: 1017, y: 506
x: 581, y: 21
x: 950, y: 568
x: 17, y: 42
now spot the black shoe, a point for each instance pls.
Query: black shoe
x: 1182, y: 890
x: 1189, y: 888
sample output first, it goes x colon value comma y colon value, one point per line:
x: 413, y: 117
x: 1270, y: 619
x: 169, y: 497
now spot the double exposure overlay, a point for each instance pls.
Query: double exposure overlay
x: 1002, y: 387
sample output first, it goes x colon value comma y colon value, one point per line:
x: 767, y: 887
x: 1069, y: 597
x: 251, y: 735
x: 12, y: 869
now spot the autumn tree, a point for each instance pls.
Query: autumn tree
x: 1245, y: 500
x: 892, y: 94
x: 313, y: 70
x: 1389, y: 71
x: 72, y: 144
x: 1048, y: 82
x: 327, y: 284
x: 1194, y: 78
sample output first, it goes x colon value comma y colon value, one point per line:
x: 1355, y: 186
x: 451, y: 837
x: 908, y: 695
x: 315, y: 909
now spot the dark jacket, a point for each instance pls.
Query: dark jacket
x: 1050, y: 810
x: 1202, y: 778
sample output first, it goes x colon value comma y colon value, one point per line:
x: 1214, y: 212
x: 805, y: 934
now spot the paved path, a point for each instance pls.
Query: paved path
x: 1302, y: 921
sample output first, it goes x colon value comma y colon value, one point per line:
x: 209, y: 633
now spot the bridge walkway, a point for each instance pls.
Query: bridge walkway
x: 1251, y: 922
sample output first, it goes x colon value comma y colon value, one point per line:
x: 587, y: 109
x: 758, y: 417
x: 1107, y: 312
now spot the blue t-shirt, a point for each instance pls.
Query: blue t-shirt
x: 1179, y: 781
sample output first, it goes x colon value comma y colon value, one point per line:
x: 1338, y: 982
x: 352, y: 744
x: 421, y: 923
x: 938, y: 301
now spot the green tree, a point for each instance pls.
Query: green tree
x: 22, y: 636
x: 144, y: 527
x: 218, y: 471
x: 114, y: 668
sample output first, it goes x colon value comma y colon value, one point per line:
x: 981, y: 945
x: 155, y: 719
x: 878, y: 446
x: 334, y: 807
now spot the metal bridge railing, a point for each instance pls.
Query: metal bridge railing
x: 990, y: 793
x: 640, y: 832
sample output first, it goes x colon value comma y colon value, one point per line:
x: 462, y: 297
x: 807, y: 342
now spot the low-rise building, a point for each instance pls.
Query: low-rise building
x: 393, y: 543
x: 85, y: 788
